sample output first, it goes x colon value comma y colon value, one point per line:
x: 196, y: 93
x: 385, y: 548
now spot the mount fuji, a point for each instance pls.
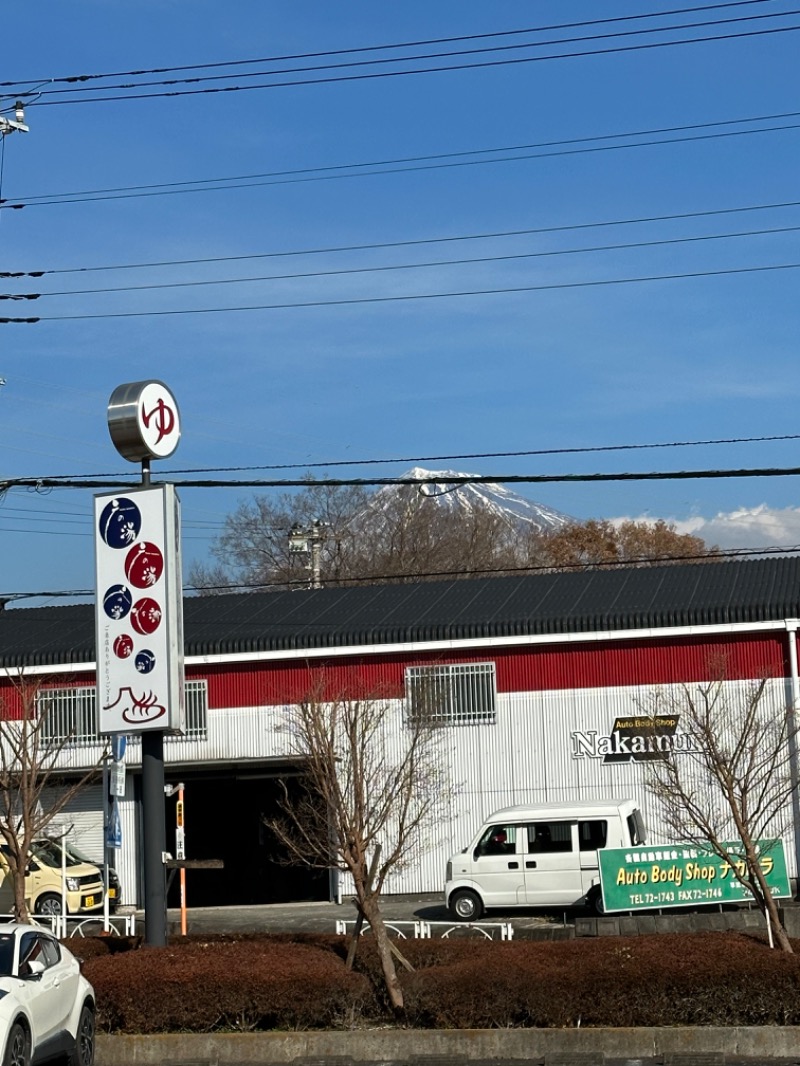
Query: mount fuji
x: 492, y: 498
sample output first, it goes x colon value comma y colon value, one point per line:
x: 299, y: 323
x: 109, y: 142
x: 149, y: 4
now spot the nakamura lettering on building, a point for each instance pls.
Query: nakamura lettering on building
x: 633, y: 739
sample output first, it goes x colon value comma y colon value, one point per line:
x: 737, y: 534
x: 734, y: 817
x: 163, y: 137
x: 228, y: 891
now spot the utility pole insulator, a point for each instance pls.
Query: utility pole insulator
x: 310, y: 540
x: 15, y: 124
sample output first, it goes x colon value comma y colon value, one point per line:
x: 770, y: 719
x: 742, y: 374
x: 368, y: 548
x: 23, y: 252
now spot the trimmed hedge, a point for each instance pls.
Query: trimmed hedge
x: 203, y: 984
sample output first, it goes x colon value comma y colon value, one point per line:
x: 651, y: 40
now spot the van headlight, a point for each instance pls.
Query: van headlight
x: 449, y: 871
x: 73, y: 884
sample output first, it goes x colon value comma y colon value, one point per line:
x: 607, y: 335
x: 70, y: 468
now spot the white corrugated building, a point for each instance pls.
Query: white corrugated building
x: 540, y: 671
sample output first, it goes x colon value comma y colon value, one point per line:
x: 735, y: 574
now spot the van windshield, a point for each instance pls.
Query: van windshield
x: 48, y: 852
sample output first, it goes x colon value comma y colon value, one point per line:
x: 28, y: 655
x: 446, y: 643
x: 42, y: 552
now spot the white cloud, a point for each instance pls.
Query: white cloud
x: 746, y: 527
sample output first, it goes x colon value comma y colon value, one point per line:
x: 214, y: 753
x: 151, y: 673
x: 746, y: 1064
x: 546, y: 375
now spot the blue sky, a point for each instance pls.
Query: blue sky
x: 560, y: 365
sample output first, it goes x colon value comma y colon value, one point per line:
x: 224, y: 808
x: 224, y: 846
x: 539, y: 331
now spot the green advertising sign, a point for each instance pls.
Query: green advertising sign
x: 681, y: 875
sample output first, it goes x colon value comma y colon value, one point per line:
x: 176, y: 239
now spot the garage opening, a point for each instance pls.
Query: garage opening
x: 224, y: 819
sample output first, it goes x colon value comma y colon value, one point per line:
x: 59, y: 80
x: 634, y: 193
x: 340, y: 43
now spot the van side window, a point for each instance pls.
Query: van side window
x: 549, y: 836
x: 593, y: 834
x: 498, y: 840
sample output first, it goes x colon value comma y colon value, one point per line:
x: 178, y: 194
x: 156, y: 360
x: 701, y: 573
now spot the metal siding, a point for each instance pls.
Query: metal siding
x: 543, y: 695
x: 82, y: 817
x: 566, y: 666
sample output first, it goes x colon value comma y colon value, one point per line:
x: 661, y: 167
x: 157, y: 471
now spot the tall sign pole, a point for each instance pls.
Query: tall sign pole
x: 139, y: 615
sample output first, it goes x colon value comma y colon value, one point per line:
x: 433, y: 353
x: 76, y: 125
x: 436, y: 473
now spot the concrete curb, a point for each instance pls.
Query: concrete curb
x: 403, y: 1045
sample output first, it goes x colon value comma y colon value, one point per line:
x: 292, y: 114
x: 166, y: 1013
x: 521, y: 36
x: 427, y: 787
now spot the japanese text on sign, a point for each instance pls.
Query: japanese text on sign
x: 680, y: 876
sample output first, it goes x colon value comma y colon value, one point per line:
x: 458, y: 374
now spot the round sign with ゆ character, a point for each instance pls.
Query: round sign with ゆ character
x: 144, y: 421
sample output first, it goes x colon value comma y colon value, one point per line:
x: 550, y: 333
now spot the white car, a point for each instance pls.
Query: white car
x: 46, y: 1004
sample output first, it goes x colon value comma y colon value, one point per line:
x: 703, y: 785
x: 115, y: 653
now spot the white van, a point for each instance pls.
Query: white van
x: 540, y: 856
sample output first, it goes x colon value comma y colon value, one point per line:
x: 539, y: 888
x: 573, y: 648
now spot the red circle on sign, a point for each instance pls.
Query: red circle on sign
x: 123, y: 646
x: 144, y: 565
x: 146, y: 615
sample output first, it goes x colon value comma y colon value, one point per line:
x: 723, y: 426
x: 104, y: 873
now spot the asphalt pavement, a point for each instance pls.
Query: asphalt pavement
x: 403, y: 912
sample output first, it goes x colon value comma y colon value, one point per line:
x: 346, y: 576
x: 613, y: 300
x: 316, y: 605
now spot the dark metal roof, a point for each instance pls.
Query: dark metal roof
x: 605, y: 600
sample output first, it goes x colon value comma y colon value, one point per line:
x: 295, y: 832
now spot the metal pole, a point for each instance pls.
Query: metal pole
x: 153, y: 822
x: 155, y: 839
x: 182, y: 869
x: 106, y: 863
x: 792, y: 711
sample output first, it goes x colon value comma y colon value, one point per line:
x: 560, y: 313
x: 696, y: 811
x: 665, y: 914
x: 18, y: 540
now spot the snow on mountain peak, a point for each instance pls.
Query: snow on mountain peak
x: 439, y: 486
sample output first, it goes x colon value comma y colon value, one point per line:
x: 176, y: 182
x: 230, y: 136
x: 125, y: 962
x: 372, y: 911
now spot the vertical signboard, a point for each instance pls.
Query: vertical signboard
x: 139, y: 612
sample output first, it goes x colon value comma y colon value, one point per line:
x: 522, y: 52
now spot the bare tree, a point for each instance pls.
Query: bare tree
x: 372, y: 782
x: 736, y: 782
x: 405, y: 534
x: 29, y: 775
x: 253, y: 548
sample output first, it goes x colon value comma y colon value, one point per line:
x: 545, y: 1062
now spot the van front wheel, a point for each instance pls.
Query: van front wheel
x: 466, y: 906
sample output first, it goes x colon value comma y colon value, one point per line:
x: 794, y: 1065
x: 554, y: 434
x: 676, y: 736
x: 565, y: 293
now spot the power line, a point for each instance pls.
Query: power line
x: 373, y: 579
x: 588, y: 449
x: 484, y: 64
x: 365, y: 300
x: 646, y: 31
x: 117, y: 481
x: 374, y: 48
x: 331, y: 249
x: 402, y: 266
x: 409, y: 164
x: 306, y: 482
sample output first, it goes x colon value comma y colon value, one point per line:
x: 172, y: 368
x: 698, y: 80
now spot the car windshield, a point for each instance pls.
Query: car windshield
x: 48, y: 852
x: 6, y: 954
x: 78, y: 855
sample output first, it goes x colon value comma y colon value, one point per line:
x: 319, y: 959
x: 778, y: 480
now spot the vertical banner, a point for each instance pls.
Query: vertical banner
x: 114, y: 827
x: 139, y: 612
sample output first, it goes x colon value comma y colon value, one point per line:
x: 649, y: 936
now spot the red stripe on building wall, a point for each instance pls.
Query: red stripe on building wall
x: 532, y: 668
x: 519, y: 669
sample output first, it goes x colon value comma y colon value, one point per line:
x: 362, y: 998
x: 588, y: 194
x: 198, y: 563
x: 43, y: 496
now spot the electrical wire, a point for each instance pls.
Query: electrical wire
x: 410, y: 164
x: 589, y: 449
x: 484, y: 64
x: 402, y: 266
x: 233, y: 587
x: 647, y: 31
x: 119, y: 481
x: 374, y: 300
x: 374, y: 48
x: 405, y: 244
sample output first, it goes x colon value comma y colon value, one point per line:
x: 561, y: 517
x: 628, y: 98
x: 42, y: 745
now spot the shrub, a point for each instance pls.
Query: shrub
x: 299, y: 981
x: 207, y: 985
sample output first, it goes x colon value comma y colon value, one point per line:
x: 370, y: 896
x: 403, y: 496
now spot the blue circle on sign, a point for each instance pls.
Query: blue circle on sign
x: 120, y: 522
x: 117, y: 601
x: 145, y: 661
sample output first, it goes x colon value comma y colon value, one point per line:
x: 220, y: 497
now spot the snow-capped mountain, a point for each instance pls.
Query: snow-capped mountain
x: 438, y: 487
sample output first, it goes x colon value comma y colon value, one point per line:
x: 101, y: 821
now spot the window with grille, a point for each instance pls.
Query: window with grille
x: 71, y: 713
x: 68, y: 714
x: 196, y: 697
x: 452, y: 695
